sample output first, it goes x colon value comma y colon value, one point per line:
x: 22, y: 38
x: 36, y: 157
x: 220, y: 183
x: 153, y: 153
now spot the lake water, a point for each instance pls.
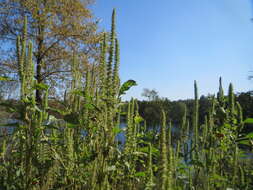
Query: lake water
x: 120, y: 136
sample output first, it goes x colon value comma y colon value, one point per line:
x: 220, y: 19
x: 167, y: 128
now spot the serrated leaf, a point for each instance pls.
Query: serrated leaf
x: 126, y: 86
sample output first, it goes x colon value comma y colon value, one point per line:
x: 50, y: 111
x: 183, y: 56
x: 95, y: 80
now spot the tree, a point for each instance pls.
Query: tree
x: 150, y: 94
x: 176, y: 111
x: 246, y: 101
x: 57, y: 29
x: 205, y: 105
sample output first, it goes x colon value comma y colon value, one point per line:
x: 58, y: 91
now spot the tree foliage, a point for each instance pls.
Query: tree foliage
x: 150, y: 94
x: 56, y: 28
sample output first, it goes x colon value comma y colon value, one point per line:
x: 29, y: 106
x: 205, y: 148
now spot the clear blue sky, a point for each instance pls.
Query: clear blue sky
x: 167, y: 44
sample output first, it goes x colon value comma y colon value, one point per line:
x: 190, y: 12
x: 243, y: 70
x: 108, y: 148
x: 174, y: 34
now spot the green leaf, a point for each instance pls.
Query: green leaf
x: 37, y: 108
x: 9, y: 125
x: 123, y: 113
x: 5, y: 79
x: 217, y: 177
x: 89, y: 106
x: 56, y: 111
x: 78, y: 92
x: 140, y: 174
x: 92, y: 107
x: 116, y: 130
x: 138, y: 119
x: 146, y: 150
x: 126, y: 86
x: 250, y: 135
x: 71, y: 125
x: 245, y: 142
x: 41, y: 86
x: 82, y: 94
x: 9, y: 106
x: 249, y: 120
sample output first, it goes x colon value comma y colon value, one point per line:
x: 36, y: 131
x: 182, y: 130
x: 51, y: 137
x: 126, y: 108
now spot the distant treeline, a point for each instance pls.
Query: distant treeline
x: 150, y: 110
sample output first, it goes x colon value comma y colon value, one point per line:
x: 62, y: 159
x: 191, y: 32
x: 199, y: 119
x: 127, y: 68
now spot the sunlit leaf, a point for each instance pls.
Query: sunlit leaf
x: 123, y: 113
x: 140, y: 174
x: 126, y: 86
x: 138, y: 119
x: 218, y: 177
x: 89, y: 106
x: 249, y: 120
x: 116, y: 130
x: 41, y: 86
